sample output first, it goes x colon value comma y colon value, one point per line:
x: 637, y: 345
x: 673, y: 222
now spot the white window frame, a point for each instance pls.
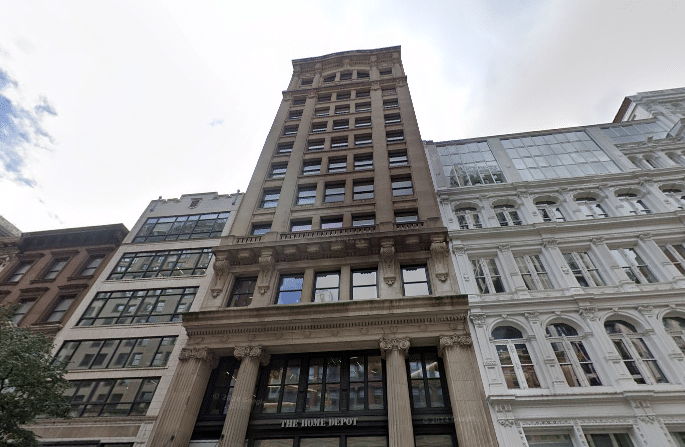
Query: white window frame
x: 507, y: 215
x: 583, y: 269
x: 591, y: 207
x: 630, y: 354
x: 512, y: 346
x: 612, y: 436
x: 571, y: 344
x: 678, y: 334
x: 633, y: 203
x: 468, y: 218
x: 633, y: 266
x: 676, y: 195
x: 532, y: 268
x: 486, y: 280
x: 550, y: 211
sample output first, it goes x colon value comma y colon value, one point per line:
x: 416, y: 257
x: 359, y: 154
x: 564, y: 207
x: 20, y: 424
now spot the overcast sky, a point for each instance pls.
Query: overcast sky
x: 105, y: 106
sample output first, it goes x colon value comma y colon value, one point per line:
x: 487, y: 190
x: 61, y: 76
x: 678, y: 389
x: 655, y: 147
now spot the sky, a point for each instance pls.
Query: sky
x: 107, y: 105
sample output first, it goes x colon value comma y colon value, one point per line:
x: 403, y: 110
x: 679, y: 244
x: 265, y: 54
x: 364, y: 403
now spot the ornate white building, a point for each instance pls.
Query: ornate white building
x: 570, y: 244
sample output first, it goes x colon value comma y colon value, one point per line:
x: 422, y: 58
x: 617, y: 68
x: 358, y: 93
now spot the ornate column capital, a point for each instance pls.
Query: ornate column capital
x: 202, y: 354
x: 242, y: 352
x: 399, y: 344
x: 478, y: 319
x: 447, y: 341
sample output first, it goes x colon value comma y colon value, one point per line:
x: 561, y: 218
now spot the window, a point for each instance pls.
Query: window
x: 362, y: 139
x: 111, y: 397
x: 341, y: 124
x: 394, y: 136
x: 307, y: 81
x: 55, y: 268
x: 572, y: 356
x: 676, y: 195
x: 362, y: 94
x: 470, y: 164
x: 91, y: 266
x: 324, y: 98
x: 290, y: 130
x: 363, y: 162
x: 22, y: 310
x: 609, y: 440
x: 284, y: 148
x: 393, y: 118
x: 326, y: 287
x: 290, y: 289
x: 390, y: 104
x: 342, y: 109
x: 514, y: 358
x: 362, y: 107
x: 402, y: 186
x: 398, y: 158
x: 549, y: 441
x: 334, y: 193
x: 278, y: 170
x: 153, y: 264
x: 406, y: 217
x: 295, y: 115
x: 362, y: 74
x: 322, y: 111
x: 675, y: 326
x: 533, y: 272
x: 60, y: 308
x: 301, y: 225
x: 633, y: 265
x: 299, y: 101
x: 415, y: 281
x: 330, y: 223
x: 242, y: 293
x: 319, y: 127
x: 549, y: 211
x: 315, y: 145
x: 339, y: 142
x: 364, y: 121
x: 258, y: 229
x: 343, y: 96
x: 507, y: 216
x: 364, y: 284
x: 270, y: 198
x: 389, y: 91
x: 138, y: 306
x: 634, y: 205
x: 116, y: 353
x: 220, y: 388
x: 584, y: 269
x: 363, y: 189
x: 590, y: 207
x: 385, y: 71
x: 306, y: 195
x: 487, y: 276
x: 337, y: 165
x: 365, y: 220
x: 20, y: 271
x: 425, y: 378
x: 346, y: 76
x: 196, y: 226
x: 679, y: 438
x: 329, y: 78
x: 637, y: 357
x: 468, y: 218
x: 675, y: 254
x: 311, y: 167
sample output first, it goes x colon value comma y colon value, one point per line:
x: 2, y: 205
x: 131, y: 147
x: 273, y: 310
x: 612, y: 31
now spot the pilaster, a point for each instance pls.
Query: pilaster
x: 400, y: 430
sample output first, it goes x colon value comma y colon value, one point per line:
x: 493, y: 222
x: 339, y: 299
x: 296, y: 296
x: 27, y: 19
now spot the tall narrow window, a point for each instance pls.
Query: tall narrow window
x: 425, y: 381
x: 507, y: 215
x: 572, y: 356
x: 364, y: 284
x: 590, y: 207
x: 242, y: 293
x: 468, y: 218
x: 55, y: 268
x: 20, y: 271
x: 584, y: 269
x: 22, y: 310
x: 675, y: 326
x: 514, y: 358
x: 487, y: 276
x: 415, y: 281
x: 549, y: 211
x: 533, y: 272
x: 290, y: 289
x: 675, y: 254
x: 676, y: 195
x: 637, y: 357
x: 220, y: 388
x: 326, y: 287
x: 634, y: 205
x: 92, y: 265
x: 633, y: 265
x: 60, y: 308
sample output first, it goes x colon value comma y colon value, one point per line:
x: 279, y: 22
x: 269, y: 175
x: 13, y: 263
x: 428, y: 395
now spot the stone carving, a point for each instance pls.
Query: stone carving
x: 221, y: 269
x: 550, y: 243
x: 202, y: 354
x: 478, y: 319
x: 646, y: 237
x: 597, y: 240
x: 399, y: 344
x: 453, y: 340
x: 388, y: 261
x: 533, y: 317
x: 266, y: 265
x: 588, y: 312
x: 440, y: 254
x: 645, y: 310
x: 242, y: 352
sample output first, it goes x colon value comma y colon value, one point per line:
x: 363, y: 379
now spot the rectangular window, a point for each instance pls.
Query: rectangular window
x: 362, y: 139
x: 326, y: 287
x: 337, y: 165
x: 329, y: 78
x: 341, y: 124
x: 362, y: 74
x: 116, y: 353
x: 55, y: 268
x: 299, y: 101
x: 195, y: 226
x: 394, y: 136
x: 339, y: 142
x: 111, y: 397
x: 389, y: 91
x: 364, y: 121
x: 324, y: 98
x: 22, y: 310
x: 365, y: 220
x: 533, y: 272
x: 290, y: 289
x: 364, y: 284
x: 278, y: 170
x: 675, y: 254
x: 20, y: 271
x: 393, y: 118
x: 362, y: 94
x: 307, y: 81
x: 295, y: 115
x: 284, y: 148
x: 363, y: 190
x: 306, y: 195
x: 311, y: 167
x: 343, y: 96
x: 390, y: 104
x: 258, y: 229
x: 290, y: 130
x: 60, y: 308
x: 335, y: 193
x: 549, y: 441
x: 301, y: 225
x: 138, y: 306
x: 584, y: 269
x: 385, y: 71
x: 397, y: 158
x: 270, y: 198
x: 633, y: 265
x: 402, y: 186
x: 242, y: 293
x: 487, y: 276
x: 322, y: 111
x: 415, y: 281
x: 609, y: 440
x: 319, y: 127
x: 405, y: 217
x: 342, y: 109
x: 362, y: 107
x: 92, y: 265
x: 153, y: 264
x: 329, y: 223
x: 363, y: 162
x: 316, y: 145
x: 346, y: 76
x: 425, y: 373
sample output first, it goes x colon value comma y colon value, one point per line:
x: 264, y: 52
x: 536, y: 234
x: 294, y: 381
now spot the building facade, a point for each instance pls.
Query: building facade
x: 122, y: 343
x: 334, y: 316
x: 570, y: 246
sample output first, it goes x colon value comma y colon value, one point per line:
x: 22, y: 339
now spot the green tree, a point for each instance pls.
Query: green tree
x: 30, y: 384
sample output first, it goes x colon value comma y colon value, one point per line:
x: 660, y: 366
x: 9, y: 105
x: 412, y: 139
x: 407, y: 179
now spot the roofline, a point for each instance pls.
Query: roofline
x: 343, y: 53
x: 110, y: 227
x: 622, y: 110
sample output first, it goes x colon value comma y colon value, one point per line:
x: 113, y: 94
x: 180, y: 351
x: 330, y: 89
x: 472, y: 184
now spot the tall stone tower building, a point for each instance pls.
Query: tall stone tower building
x: 333, y: 318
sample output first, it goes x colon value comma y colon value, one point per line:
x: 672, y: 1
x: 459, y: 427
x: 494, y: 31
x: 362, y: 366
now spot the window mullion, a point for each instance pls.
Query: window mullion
x: 517, y: 365
x: 580, y: 373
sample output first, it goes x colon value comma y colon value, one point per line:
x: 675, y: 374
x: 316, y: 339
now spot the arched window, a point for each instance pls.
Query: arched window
x: 572, y: 356
x: 675, y: 326
x: 468, y: 218
x: 549, y: 211
x: 589, y: 206
x: 634, y: 205
x: 634, y: 351
x: 514, y: 358
x: 507, y: 215
x: 676, y: 195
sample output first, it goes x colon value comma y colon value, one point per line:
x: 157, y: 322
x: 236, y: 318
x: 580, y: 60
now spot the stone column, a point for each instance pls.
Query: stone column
x: 472, y: 418
x: 238, y: 415
x: 176, y: 420
x: 400, y: 430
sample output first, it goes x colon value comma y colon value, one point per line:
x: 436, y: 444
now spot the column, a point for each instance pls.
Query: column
x: 471, y: 414
x: 238, y: 415
x: 176, y: 420
x: 400, y: 430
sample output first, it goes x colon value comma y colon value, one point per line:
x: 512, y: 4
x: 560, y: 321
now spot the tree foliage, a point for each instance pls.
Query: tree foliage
x: 30, y: 384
